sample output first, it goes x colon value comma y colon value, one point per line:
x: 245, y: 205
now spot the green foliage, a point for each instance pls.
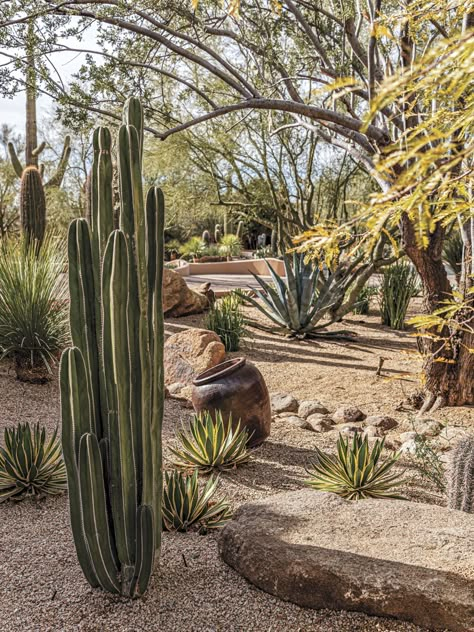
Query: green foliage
x: 33, y: 312
x: 298, y: 302
x: 362, y: 304
x: 112, y: 390
x: 30, y: 465
x: 211, y: 444
x: 184, y: 505
x: 356, y: 471
x: 230, y: 246
x: 263, y: 253
x: 428, y: 463
x: 460, y: 476
x: 399, y: 286
x: 225, y: 317
x: 193, y: 248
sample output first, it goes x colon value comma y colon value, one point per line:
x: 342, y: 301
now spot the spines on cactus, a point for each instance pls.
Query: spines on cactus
x: 460, y: 476
x: 32, y: 205
x: 112, y: 386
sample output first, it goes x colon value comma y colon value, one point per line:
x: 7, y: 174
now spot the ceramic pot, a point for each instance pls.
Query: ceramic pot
x: 236, y: 387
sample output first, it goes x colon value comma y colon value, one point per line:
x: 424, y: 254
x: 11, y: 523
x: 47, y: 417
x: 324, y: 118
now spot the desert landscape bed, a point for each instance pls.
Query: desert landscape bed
x: 41, y: 586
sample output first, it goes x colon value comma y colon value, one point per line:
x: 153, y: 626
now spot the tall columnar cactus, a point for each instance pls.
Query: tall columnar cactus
x: 217, y: 233
x: 112, y: 387
x: 32, y: 205
x: 206, y: 237
x: 460, y: 476
x: 240, y: 230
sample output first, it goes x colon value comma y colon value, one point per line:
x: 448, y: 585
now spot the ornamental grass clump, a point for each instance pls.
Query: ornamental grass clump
x: 30, y: 464
x: 399, y: 285
x: 226, y: 319
x: 356, y: 471
x: 210, y: 443
x: 33, y: 306
x: 185, y: 505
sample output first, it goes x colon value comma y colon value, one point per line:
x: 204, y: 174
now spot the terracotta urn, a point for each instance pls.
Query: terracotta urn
x: 236, y: 387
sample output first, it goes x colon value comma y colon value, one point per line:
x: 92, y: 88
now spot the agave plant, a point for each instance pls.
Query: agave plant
x: 30, y: 465
x: 33, y: 307
x: 185, y: 505
x: 298, y: 302
x: 211, y: 444
x: 356, y: 471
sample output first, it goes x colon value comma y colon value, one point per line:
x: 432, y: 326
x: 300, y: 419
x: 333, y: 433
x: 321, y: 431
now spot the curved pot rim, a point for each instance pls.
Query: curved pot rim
x: 220, y: 370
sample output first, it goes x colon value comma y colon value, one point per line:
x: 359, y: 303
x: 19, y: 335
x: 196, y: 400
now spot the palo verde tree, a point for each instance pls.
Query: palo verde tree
x: 323, y: 64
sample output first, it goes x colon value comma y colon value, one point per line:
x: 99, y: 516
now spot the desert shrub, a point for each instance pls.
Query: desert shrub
x: 211, y: 444
x: 33, y: 306
x: 192, y: 248
x: 226, y: 319
x: 362, y: 304
x: 428, y: 463
x: 230, y: 246
x: 356, y: 471
x: 185, y: 505
x: 399, y: 286
x: 30, y: 464
x: 263, y: 252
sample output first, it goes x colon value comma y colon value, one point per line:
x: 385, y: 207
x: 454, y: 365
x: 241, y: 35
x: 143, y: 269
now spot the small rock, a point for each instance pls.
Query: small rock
x: 311, y: 407
x: 449, y: 436
x: 348, y: 415
x: 384, y: 422
x: 408, y: 436
x: 430, y: 428
x: 409, y: 446
x: 176, y: 388
x: 283, y: 403
x: 373, y: 432
x: 350, y: 430
x: 320, y: 423
x: 299, y: 422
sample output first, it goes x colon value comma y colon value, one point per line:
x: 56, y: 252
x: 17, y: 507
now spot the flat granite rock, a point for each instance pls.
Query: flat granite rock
x: 390, y: 558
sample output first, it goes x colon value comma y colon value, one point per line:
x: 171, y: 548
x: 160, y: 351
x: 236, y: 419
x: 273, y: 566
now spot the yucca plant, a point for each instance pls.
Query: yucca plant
x: 356, y: 471
x: 399, y: 285
x: 230, y: 246
x: 210, y: 443
x: 298, y: 302
x: 226, y: 319
x: 33, y: 306
x: 185, y: 505
x: 30, y: 464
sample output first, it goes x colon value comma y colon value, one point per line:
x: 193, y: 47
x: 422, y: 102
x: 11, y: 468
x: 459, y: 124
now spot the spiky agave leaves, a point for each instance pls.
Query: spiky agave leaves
x: 356, y: 471
x: 299, y: 301
x: 185, y: 505
x: 30, y: 465
x: 211, y: 444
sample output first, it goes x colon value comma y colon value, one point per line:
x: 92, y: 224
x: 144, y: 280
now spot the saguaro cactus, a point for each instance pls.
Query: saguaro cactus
x: 32, y: 205
x: 460, y: 476
x: 112, y: 387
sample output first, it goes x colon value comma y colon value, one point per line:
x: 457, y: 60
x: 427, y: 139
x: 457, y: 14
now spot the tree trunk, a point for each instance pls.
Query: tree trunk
x: 449, y: 367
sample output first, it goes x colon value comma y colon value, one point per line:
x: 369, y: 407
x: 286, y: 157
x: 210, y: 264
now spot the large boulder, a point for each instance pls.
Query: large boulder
x: 190, y: 352
x: 178, y: 298
x: 391, y: 558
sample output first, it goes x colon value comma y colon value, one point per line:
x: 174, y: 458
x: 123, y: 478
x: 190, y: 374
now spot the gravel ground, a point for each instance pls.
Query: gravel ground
x: 41, y: 585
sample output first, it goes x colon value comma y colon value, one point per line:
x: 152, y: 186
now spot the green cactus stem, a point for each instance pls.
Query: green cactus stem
x: 112, y: 384
x: 460, y: 475
x: 32, y: 205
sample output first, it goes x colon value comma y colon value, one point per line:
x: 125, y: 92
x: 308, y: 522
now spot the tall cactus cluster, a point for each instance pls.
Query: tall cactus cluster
x: 32, y: 205
x: 460, y: 475
x: 111, y: 379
